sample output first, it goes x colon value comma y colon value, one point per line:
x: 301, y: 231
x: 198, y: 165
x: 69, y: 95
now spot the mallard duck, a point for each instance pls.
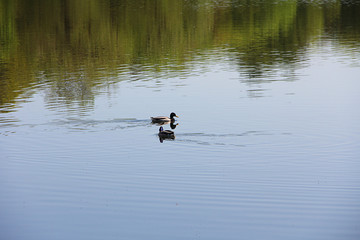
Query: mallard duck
x: 164, y: 119
x: 166, y: 133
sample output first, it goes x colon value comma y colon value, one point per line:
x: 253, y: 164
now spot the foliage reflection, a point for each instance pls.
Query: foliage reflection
x: 72, y: 45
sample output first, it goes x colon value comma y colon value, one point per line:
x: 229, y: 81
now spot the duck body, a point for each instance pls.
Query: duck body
x: 165, y: 134
x: 162, y: 119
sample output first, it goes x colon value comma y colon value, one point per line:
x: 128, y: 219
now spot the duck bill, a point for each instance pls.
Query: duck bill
x: 176, y: 116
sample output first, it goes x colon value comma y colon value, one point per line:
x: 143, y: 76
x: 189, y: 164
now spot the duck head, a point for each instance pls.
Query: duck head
x: 172, y: 115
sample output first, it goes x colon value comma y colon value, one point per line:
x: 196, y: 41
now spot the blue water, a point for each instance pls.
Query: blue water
x: 277, y: 158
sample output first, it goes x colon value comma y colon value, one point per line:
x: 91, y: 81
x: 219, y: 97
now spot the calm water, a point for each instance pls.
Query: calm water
x: 267, y: 144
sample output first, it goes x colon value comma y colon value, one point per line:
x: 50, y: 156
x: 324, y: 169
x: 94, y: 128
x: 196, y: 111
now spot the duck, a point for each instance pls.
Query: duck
x: 166, y: 133
x: 162, y: 119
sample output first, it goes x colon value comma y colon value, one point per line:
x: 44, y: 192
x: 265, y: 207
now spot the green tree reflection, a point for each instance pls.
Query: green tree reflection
x: 62, y: 42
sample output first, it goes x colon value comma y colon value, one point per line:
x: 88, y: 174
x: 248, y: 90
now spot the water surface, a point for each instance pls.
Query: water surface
x: 267, y: 144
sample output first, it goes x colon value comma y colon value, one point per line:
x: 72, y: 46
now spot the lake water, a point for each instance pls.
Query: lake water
x: 267, y: 144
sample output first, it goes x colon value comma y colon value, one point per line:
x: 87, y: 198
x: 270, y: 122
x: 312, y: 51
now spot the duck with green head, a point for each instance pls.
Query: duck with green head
x: 163, y: 120
x: 165, y: 134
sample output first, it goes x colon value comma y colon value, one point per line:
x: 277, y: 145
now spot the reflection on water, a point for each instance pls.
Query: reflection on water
x: 172, y: 124
x: 268, y: 141
x: 84, y: 45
